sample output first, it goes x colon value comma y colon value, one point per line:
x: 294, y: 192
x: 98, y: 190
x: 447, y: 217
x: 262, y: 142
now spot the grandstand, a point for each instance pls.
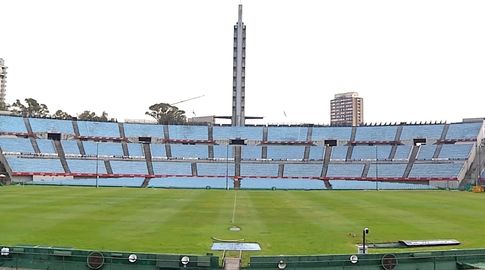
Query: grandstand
x: 400, y: 156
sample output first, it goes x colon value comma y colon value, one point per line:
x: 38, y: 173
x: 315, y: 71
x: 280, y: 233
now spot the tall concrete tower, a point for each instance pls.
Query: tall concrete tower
x: 239, y: 72
x: 3, y: 83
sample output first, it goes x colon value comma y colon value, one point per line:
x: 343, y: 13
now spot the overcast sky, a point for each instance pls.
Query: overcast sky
x: 409, y: 60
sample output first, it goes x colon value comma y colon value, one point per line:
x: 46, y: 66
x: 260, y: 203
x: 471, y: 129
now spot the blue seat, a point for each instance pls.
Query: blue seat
x: 51, y: 126
x: 98, y: 129
x: 287, y: 134
x: 12, y: 124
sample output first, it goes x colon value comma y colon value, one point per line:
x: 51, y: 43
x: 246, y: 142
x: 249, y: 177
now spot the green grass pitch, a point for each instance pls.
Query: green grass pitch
x: 283, y: 222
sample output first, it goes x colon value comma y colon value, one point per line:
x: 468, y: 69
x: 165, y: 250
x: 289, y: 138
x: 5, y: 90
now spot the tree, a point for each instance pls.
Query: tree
x: 60, y: 114
x: 4, y: 106
x: 166, y: 114
x: 32, y: 108
x: 91, y: 116
x: 87, y: 115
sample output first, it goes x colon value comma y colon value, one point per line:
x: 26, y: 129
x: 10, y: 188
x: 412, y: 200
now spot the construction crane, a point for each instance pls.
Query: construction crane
x: 185, y: 100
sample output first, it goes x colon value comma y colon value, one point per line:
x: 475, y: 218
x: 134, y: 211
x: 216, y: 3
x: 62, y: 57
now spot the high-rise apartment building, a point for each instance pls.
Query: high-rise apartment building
x: 347, y: 109
x: 3, y: 83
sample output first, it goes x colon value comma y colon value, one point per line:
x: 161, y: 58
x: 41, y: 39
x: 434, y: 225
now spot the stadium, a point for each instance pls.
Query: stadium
x: 79, y: 194
x: 221, y: 177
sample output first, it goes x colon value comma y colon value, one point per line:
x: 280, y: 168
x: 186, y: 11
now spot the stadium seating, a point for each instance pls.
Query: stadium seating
x: 316, y: 153
x: 251, y: 152
x: 331, y: 133
x: 135, y: 150
x: 194, y: 133
x: 205, y: 183
x: 70, y: 147
x: 431, y: 132
x: 445, y: 170
x: 456, y: 151
x: 143, y: 130
x: 384, y: 133
x: 361, y: 152
x: 51, y: 126
x: 86, y: 166
x: 229, y: 132
x: 12, y: 124
x: 368, y: 185
x: 172, y: 168
x: 190, y: 151
x: 287, y: 134
x: 305, y: 170
x: 285, y: 152
x: 20, y: 145
x: 46, y: 146
x: 279, y: 157
x: 386, y: 170
x: 158, y: 150
x: 215, y: 169
x: 402, y: 152
x: 339, y: 153
x: 41, y: 165
x: 103, y: 149
x: 345, y: 170
x: 284, y: 184
x: 463, y: 131
x: 102, y: 182
x: 426, y: 152
x: 129, y: 167
x: 258, y: 169
x: 223, y: 151
x: 98, y: 129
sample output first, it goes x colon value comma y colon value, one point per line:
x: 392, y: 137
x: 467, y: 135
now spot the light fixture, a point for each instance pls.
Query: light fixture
x: 132, y: 258
x: 5, y: 251
x: 281, y: 265
x: 185, y: 260
x: 354, y: 259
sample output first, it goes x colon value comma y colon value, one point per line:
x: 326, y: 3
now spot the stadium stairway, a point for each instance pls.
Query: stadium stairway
x: 166, y: 134
x: 62, y: 155
x: 281, y: 169
x: 439, y: 146
x: 365, y: 172
x: 412, y: 158
x: 124, y: 147
x: 211, y: 151
x: 474, y: 172
x: 210, y: 136
x: 326, y: 160
x: 28, y: 126
x: 168, y: 150
x: 148, y: 158
x: 81, y: 148
x: 231, y: 263
x: 397, y: 138
x: 35, y: 145
x: 75, y: 126
x: 124, y: 144
x: 146, y: 182
x: 6, y: 167
x: 108, y: 167
x: 437, y: 150
x: 350, y: 149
